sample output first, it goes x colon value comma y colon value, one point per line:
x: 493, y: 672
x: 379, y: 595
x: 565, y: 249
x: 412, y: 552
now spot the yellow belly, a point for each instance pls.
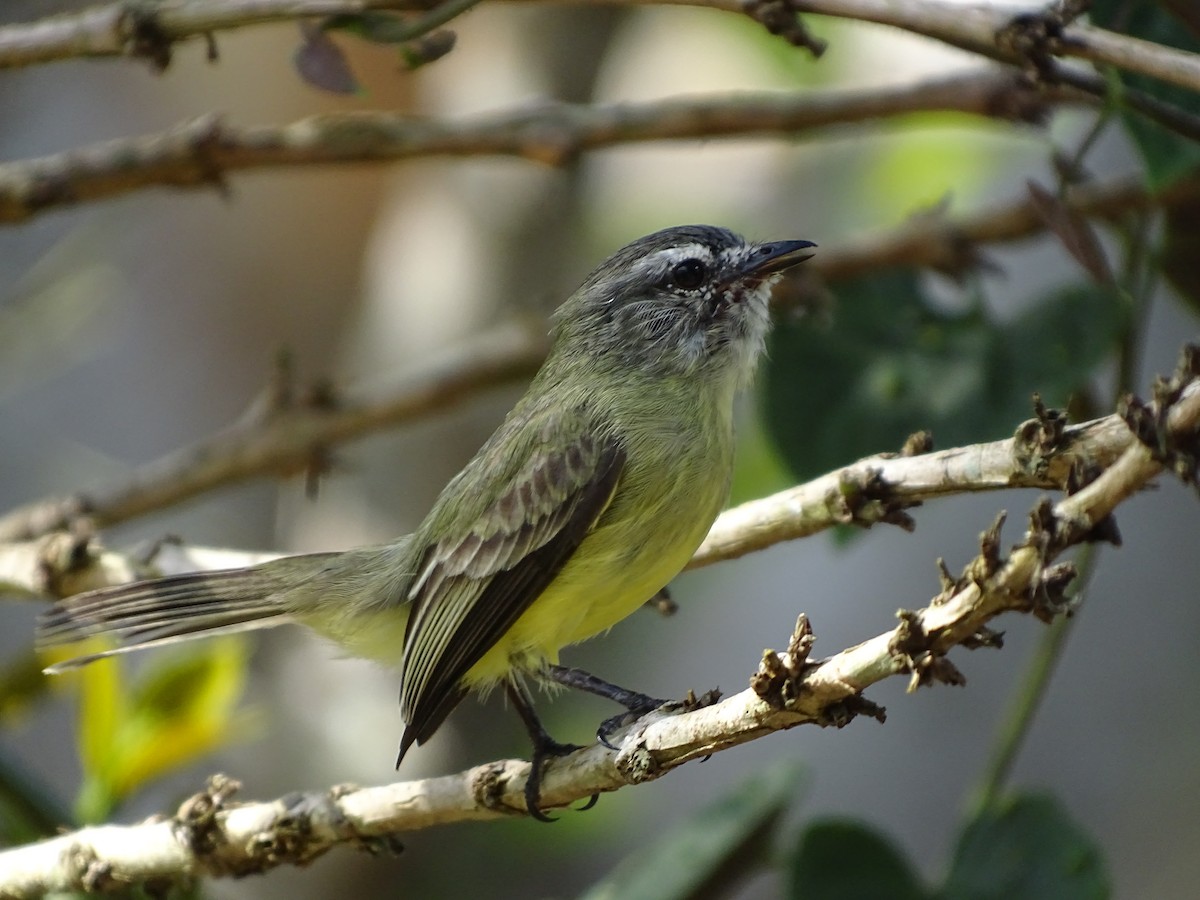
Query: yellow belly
x: 620, y: 565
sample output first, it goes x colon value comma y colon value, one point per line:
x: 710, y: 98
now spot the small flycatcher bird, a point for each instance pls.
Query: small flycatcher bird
x: 592, y: 495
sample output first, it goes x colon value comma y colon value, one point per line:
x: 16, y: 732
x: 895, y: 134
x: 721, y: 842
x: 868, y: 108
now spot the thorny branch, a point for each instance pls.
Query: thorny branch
x: 212, y: 836
x: 1044, y: 453
x: 283, y: 435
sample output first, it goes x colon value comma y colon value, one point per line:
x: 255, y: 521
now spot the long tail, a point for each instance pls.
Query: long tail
x: 180, y: 607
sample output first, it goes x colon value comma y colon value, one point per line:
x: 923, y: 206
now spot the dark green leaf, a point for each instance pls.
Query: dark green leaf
x: 1026, y: 847
x: 721, y: 842
x: 847, y: 860
x: 1168, y: 156
x: 891, y: 364
x: 28, y: 809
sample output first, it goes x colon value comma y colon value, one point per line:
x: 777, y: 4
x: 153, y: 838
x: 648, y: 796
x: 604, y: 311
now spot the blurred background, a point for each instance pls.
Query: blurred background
x: 136, y: 326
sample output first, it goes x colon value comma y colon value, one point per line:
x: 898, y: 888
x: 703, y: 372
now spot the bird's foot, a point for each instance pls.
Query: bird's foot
x: 545, y: 748
x: 642, y: 704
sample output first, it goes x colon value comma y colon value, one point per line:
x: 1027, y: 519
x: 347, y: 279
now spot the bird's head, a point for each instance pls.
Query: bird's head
x: 682, y: 301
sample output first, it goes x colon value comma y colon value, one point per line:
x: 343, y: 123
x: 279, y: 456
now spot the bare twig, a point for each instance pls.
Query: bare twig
x: 289, y: 439
x: 988, y: 30
x: 211, y: 836
x: 150, y: 31
x: 204, y: 152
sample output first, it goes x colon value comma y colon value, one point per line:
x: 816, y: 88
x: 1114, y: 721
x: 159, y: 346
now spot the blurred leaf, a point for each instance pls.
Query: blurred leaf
x: 719, y: 843
x: 1181, y: 250
x: 426, y: 49
x: 1073, y: 231
x: 29, y: 810
x: 892, y: 363
x: 102, y: 708
x: 1026, y: 847
x: 1168, y: 156
x: 182, y: 707
x: 21, y: 683
x: 59, y: 314
x: 847, y: 860
x: 321, y: 62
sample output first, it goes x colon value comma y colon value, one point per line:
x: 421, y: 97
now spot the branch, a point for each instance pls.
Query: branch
x: 149, y: 31
x: 283, y: 436
x: 937, y: 241
x: 1044, y: 453
x: 202, y: 153
x: 210, y: 836
x: 990, y: 31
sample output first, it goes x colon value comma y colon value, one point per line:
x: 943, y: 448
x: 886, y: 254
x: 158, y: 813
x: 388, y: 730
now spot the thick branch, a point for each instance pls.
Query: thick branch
x: 287, y: 437
x: 867, y: 492
x: 204, y: 152
x: 878, y: 488
x: 209, y: 836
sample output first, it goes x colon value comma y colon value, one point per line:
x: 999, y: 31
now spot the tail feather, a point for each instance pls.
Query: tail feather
x: 179, y: 607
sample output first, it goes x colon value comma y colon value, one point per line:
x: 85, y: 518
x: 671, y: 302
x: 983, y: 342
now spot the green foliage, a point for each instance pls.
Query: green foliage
x: 1168, y: 156
x: 840, y: 859
x: 29, y: 810
x: 892, y: 363
x: 721, y: 841
x: 179, y: 709
x: 1026, y: 847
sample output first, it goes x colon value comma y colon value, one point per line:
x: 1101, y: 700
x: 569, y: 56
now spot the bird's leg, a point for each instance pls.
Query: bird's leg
x: 638, y: 704
x: 545, y: 748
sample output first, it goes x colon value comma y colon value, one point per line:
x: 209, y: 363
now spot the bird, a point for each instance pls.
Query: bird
x: 587, y: 500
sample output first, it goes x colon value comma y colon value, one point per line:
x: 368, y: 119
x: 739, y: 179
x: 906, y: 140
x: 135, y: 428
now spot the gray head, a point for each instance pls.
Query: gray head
x: 678, y: 301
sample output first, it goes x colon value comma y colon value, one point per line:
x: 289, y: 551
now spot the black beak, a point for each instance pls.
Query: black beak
x: 768, y: 259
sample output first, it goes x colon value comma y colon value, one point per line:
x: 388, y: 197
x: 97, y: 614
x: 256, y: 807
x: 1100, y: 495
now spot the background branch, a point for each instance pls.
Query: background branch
x: 204, y: 152
x: 281, y: 437
x: 209, y: 836
x: 141, y: 30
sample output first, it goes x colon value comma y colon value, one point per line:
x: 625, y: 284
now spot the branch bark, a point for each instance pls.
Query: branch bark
x: 284, y: 437
x: 211, y: 836
x: 204, y: 152
x: 140, y: 30
x: 1042, y: 454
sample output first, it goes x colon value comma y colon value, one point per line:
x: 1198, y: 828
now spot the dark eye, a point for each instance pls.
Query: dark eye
x: 688, y: 274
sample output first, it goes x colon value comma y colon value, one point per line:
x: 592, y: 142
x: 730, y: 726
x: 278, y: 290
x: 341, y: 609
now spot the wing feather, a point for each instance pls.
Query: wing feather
x: 475, y: 586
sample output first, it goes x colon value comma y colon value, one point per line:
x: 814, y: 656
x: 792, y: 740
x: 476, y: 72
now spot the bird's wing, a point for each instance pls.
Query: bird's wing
x: 473, y: 586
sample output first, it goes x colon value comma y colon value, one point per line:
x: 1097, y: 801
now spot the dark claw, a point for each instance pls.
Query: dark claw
x: 592, y: 801
x: 643, y: 705
x: 544, y: 749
